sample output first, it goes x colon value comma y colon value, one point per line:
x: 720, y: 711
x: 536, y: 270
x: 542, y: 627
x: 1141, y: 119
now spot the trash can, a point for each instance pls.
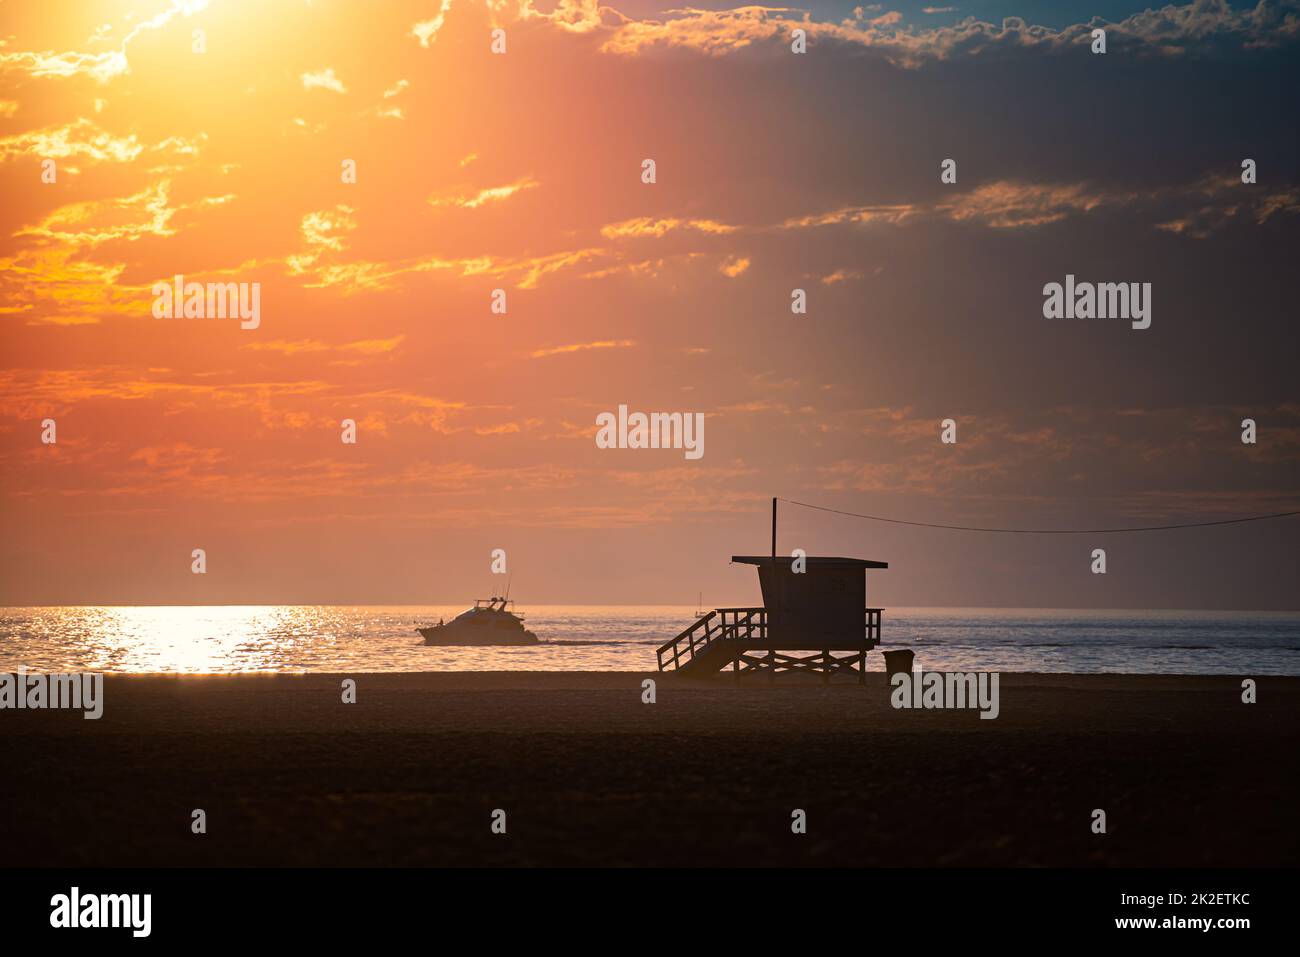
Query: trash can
x: 896, y: 661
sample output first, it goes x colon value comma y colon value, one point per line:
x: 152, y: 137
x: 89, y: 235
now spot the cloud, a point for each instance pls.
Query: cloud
x: 1204, y: 27
x: 100, y: 66
x: 375, y: 275
x: 1210, y: 202
x: 1002, y: 204
x: 90, y: 223
x: 385, y: 110
x: 894, y: 214
x: 369, y: 347
x: 426, y: 31
x: 80, y: 138
x: 711, y: 32
x: 323, y: 80
x: 733, y: 266
x: 583, y: 347
x: 54, y: 285
x: 482, y: 197
x: 323, y: 231
x: 1225, y: 202
x: 649, y: 226
x: 571, y: 16
x: 1120, y: 464
x: 1010, y: 205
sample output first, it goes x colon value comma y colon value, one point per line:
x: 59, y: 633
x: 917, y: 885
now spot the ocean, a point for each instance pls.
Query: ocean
x: 285, y: 638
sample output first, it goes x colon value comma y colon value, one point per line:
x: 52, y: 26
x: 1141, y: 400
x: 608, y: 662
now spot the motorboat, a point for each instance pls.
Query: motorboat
x: 490, y: 622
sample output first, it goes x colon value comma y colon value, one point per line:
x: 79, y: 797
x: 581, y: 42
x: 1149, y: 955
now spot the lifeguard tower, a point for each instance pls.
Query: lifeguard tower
x: 819, y: 608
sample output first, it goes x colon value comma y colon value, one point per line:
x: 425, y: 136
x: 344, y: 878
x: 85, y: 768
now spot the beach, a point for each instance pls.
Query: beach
x: 710, y: 773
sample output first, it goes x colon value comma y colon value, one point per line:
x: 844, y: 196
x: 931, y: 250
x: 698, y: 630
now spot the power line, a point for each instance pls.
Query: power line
x: 1046, y: 531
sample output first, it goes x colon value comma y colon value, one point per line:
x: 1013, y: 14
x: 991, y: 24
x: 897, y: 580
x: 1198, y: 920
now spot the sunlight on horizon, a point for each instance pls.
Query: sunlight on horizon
x: 192, y: 639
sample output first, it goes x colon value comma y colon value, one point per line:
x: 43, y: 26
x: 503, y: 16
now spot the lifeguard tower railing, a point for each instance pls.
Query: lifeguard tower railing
x: 729, y: 635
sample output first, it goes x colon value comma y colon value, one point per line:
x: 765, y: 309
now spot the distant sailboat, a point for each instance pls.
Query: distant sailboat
x: 699, y: 606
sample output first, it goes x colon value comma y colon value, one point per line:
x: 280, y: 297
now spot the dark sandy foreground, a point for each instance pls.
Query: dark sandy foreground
x: 1187, y: 774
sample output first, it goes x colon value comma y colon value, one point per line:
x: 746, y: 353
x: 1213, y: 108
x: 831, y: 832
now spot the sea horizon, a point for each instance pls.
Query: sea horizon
x: 232, y: 639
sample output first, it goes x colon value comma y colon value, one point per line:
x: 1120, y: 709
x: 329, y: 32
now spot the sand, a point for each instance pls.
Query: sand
x: 587, y: 774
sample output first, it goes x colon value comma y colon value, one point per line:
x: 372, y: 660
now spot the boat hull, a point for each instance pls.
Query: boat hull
x: 465, y: 637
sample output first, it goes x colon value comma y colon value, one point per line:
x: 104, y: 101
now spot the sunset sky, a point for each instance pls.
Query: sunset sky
x: 522, y: 171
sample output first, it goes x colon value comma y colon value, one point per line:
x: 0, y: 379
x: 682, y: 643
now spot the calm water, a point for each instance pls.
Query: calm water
x: 618, y: 638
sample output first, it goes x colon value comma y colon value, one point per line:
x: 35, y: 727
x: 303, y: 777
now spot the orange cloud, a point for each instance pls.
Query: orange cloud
x: 368, y: 347
x: 493, y: 194
x: 583, y: 347
x: 90, y: 223
x: 733, y: 266
x: 80, y: 138
x: 1010, y: 205
x: 426, y: 31
x: 649, y: 226
x: 55, y: 286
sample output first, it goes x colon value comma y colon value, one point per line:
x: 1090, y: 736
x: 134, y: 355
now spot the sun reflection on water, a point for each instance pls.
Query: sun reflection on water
x: 189, y: 639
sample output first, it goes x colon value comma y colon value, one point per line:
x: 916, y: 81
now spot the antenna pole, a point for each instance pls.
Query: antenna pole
x: 774, y: 530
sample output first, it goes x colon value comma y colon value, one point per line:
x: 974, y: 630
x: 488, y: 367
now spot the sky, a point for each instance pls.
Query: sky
x: 523, y: 172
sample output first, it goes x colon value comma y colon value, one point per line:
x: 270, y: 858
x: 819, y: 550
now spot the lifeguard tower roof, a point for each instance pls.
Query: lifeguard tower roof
x: 811, y: 560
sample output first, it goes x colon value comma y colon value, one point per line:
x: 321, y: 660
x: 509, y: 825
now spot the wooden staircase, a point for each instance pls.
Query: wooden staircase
x: 739, y: 637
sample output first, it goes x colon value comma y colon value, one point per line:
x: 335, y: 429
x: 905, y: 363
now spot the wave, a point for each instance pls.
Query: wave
x: 575, y: 641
